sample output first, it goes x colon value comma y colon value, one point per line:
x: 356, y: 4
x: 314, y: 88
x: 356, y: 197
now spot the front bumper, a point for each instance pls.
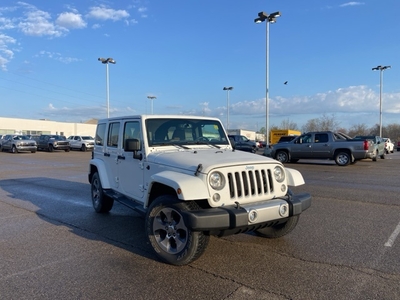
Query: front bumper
x: 26, y: 148
x: 246, y: 215
x: 61, y: 147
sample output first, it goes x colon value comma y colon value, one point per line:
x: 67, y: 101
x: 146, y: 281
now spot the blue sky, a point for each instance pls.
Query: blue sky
x: 184, y: 52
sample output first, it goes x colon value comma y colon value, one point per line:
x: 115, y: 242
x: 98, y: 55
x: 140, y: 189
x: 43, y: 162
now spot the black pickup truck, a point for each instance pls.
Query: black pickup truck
x: 50, y: 142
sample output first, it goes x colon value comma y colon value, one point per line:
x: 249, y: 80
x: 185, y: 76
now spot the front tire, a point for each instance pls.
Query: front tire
x: 14, y: 149
x: 51, y: 149
x: 342, y: 159
x: 282, y: 156
x: 83, y: 148
x: 383, y: 155
x: 172, y: 240
x: 279, y: 230
x: 101, y: 202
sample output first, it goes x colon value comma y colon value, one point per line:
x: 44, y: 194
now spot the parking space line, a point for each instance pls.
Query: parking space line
x: 392, y: 238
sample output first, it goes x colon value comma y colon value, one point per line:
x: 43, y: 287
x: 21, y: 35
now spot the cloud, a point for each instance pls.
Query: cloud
x: 104, y: 13
x: 71, y: 20
x: 79, y: 113
x: 352, y: 3
x: 57, y: 56
x: 5, y: 53
x: 38, y: 23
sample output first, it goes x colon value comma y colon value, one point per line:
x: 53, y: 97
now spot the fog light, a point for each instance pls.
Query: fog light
x: 283, y: 210
x: 253, y: 216
x: 216, y: 197
x: 283, y: 187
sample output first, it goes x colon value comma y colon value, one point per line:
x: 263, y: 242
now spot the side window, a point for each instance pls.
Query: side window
x: 99, y: 137
x: 321, y: 138
x: 113, y: 132
x: 132, y: 131
x: 304, y: 139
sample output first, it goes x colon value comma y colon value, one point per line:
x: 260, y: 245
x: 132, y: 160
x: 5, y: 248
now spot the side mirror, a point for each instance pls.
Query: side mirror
x: 133, y: 145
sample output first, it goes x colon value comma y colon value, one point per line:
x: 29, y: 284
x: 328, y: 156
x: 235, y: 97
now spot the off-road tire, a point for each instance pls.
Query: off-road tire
x: 279, y: 230
x: 101, y: 202
x: 171, y: 239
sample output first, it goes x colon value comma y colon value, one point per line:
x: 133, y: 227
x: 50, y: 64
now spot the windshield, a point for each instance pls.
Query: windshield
x: 21, y: 137
x: 165, y: 132
x: 58, y: 137
x: 87, y: 138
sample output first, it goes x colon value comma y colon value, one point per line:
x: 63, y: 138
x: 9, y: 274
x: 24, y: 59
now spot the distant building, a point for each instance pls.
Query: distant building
x: 38, y: 127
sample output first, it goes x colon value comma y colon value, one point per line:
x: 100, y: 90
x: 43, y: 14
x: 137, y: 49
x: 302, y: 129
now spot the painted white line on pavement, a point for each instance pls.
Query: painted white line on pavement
x: 392, y: 238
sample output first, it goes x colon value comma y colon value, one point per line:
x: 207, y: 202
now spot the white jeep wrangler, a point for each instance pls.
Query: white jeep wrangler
x: 182, y: 173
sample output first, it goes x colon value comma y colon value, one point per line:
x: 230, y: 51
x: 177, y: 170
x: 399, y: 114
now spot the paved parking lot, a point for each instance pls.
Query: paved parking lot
x: 54, y: 246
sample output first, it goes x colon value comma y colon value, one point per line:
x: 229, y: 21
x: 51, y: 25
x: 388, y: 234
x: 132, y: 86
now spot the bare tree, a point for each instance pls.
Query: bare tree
x: 358, y: 129
x: 287, y: 124
x: 321, y: 124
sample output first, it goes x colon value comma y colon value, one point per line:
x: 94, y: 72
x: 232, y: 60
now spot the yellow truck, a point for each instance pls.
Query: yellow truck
x: 275, y: 135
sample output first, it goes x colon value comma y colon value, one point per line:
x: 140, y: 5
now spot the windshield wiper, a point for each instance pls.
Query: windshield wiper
x: 208, y: 144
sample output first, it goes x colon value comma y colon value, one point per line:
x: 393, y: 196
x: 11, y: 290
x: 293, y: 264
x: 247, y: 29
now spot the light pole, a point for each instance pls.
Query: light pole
x: 381, y: 69
x: 106, y: 61
x: 227, y: 89
x: 151, y: 99
x: 271, y: 18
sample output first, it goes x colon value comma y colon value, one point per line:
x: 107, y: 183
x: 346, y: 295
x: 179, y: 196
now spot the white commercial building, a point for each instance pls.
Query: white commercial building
x: 38, y: 127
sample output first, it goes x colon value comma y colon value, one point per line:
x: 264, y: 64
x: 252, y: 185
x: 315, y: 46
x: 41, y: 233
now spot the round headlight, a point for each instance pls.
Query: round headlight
x: 279, y: 174
x: 217, y: 180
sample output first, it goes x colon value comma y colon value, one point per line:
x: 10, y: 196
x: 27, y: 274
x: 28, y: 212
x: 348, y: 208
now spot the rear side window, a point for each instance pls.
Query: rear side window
x: 113, y: 132
x: 321, y: 138
x: 100, y: 131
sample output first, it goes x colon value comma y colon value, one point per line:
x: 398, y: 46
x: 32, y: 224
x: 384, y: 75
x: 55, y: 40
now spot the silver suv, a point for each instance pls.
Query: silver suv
x: 183, y: 175
x: 18, y: 143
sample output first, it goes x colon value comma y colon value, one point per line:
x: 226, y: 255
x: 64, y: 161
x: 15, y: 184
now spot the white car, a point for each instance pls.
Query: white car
x: 389, y: 146
x: 81, y: 142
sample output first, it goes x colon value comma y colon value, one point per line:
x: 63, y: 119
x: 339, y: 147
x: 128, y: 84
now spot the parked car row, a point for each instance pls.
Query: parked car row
x: 47, y: 142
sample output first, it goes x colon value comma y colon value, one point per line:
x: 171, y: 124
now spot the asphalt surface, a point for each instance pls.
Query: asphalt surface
x: 54, y: 246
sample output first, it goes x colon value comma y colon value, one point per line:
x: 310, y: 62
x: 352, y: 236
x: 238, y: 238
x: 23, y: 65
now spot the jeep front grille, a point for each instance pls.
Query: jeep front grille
x: 250, y: 183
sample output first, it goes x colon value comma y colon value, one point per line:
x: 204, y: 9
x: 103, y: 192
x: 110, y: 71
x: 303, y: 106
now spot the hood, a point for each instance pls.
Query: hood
x: 208, y: 158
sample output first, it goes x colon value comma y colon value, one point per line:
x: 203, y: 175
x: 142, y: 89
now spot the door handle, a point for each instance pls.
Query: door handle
x: 107, y: 154
x: 121, y: 157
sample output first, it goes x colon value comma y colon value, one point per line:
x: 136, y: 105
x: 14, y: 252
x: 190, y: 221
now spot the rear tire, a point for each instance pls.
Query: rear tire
x: 172, y: 240
x: 101, y: 202
x: 342, y: 158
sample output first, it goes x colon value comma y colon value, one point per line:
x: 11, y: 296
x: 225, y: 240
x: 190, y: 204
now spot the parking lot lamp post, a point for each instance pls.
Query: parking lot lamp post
x: 106, y: 61
x: 151, y: 99
x: 227, y: 89
x: 380, y: 69
x: 271, y: 18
